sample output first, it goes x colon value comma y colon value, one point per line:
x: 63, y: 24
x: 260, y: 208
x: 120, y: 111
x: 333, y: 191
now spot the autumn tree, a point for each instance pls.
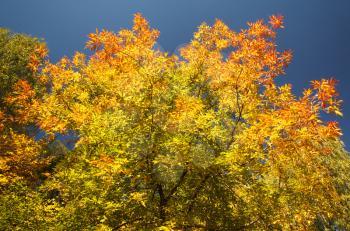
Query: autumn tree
x: 202, y: 141
x: 19, y: 90
x: 22, y: 157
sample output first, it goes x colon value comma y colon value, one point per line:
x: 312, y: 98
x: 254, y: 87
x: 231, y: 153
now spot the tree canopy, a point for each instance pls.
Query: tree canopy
x: 199, y: 141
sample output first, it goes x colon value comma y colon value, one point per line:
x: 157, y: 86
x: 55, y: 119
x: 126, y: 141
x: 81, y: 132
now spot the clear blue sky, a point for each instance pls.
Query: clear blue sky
x: 318, y: 31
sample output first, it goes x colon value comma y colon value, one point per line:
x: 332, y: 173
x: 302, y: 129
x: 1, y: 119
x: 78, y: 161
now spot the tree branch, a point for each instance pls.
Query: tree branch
x: 197, y: 191
x: 173, y: 190
x: 162, y: 202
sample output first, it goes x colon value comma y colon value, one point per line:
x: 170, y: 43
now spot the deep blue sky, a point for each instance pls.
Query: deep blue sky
x: 318, y: 31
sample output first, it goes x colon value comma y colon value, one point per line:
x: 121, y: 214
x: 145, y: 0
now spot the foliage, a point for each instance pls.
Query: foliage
x: 19, y: 90
x: 16, y: 52
x: 197, y: 142
x: 23, y: 158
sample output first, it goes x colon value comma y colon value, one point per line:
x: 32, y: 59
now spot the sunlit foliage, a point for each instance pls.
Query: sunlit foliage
x: 203, y: 141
